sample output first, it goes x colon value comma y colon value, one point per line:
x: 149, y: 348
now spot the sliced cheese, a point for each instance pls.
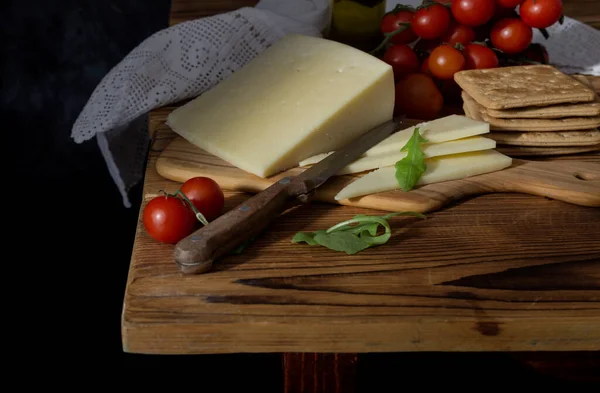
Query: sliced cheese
x: 444, y: 129
x: 439, y: 169
x: 365, y: 163
x: 302, y: 96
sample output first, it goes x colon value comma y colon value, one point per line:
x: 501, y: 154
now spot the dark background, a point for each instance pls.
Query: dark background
x: 75, y: 235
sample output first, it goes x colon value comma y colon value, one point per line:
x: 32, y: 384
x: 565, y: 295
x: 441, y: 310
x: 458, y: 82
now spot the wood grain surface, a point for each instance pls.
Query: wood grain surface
x: 500, y: 272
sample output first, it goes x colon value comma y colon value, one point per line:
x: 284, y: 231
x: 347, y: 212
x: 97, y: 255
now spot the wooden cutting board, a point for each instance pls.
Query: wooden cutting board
x: 572, y: 181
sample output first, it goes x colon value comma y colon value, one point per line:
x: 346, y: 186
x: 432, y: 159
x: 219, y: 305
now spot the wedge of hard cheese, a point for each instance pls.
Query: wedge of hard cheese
x: 439, y: 169
x: 444, y: 129
x: 365, y: 163
x: 300, y: 97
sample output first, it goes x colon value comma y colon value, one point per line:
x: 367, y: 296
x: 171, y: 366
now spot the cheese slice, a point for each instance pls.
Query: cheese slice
x: 365, y: 163
x: 439, y: 169
x: 444, y: 129
x: 302, y: 96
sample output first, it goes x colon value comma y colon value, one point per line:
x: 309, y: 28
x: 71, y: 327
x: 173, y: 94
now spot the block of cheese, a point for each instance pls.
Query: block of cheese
x: 464, y: 145
x: 439, y: 169
x: 444, y: 129
x: 300, y: 97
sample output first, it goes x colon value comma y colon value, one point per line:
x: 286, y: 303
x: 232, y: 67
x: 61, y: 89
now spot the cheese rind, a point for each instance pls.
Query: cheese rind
x: 302, y: 96
x: 444, y: 129
x: 439, y: 169
x: 365, y: 163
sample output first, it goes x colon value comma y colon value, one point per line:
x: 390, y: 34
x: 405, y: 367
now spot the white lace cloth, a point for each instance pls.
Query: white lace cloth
x: 187, y: 59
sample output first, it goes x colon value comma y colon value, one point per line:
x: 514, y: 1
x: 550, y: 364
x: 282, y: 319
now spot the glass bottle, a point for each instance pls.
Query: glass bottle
x: 357, y: 22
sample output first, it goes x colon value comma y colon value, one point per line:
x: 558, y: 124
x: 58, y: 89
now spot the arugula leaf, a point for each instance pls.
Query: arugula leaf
x: 342, y: 241
x: 307, y: 237
x: 410, y: 169
x: 354, y: 235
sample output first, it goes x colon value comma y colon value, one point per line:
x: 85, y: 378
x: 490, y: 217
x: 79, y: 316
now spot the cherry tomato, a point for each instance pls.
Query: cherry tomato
x: 393, y: 21
x: 443, y: 1
x: 458, y: 33
x: 418, y: 97
x: 431, y: 21
x: 403, y: 60
x: 206, y: 195
x: 445, y: 61
x: 168, y: 219
x: 473, y: 12
x: 511, y: 35
x: 540, y: 14
x: 508, y: 3
x: 479, y: 56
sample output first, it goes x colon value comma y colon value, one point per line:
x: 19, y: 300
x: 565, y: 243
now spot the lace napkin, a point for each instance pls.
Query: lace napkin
x: 189, y: 58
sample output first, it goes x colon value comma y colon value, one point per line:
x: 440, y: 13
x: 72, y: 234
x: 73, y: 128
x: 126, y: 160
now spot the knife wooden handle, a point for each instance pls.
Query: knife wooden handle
x: 196, y: 253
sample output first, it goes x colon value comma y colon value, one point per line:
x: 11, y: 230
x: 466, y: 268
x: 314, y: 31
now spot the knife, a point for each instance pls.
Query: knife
x: 197, y: 252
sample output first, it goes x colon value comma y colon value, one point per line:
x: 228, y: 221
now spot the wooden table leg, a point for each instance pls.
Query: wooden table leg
x: 319, y: 372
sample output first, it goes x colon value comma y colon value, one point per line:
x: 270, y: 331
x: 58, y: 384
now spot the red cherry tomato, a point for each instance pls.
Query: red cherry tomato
x: 431, y: 21
x: 511, y: 35
x: 206, y: 195
x: 540, y: 14
x: 508, y: 3
x: 418, y: 97
x: 458, y: 33
x: 393, y: 21
x: 473, y: 12
x: 479, y: 56
x: 445, y: 61
x: 168, y: 219
x: 403, y: 60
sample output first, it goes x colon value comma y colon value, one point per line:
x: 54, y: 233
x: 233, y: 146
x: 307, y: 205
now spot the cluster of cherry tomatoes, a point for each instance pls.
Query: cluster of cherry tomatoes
x: 170, y: 218
x: 426, y: 46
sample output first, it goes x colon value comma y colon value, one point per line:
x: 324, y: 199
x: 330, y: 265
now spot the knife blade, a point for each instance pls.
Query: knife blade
x: 197, y: 252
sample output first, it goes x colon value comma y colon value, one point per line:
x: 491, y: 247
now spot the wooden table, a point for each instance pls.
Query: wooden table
x: 503, y: 272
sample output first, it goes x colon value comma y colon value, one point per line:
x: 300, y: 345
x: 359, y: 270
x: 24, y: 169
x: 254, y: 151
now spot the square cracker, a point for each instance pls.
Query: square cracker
x: 522, y: 86
x: 552, y: 111
x: 553, y: 138
x: 563, y: 124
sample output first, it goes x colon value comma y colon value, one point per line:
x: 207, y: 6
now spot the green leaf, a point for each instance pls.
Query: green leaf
x: 410, y: 169
x: 354, y: 235
x: 341, y: 241
x: 306, y: 237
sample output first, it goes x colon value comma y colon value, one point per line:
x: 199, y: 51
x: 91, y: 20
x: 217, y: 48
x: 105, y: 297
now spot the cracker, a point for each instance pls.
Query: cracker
x: 552, y: 111
x: 522, y: 86
x: 541, y: 139
x: 562, y: 124
x: 516, y: 151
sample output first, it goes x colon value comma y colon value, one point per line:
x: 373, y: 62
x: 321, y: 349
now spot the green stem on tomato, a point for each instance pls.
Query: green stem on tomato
x: 199, y: 215
x: 388, y: 37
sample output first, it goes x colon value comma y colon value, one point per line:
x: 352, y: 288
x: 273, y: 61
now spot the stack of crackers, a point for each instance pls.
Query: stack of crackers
x: 533, y: 109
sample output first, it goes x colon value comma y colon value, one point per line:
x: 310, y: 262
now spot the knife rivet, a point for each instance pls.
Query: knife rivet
x: 244, y: 208
x: 195, y: 238
x: 285, y: 180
